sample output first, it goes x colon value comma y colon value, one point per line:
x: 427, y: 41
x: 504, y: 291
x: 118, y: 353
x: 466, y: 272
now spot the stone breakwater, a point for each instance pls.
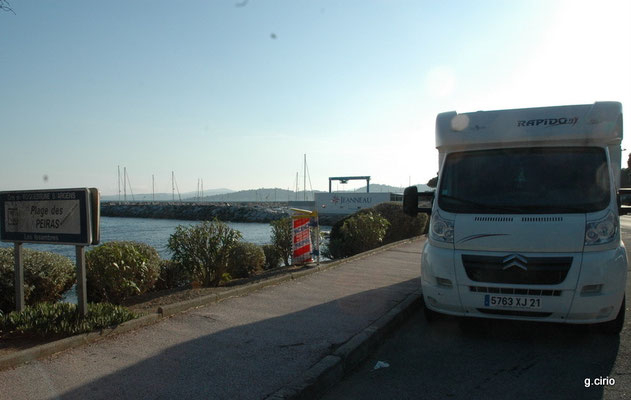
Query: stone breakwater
x: 232, y: 212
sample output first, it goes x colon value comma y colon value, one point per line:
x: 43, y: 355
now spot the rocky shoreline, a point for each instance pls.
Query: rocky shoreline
x: 229, y: 212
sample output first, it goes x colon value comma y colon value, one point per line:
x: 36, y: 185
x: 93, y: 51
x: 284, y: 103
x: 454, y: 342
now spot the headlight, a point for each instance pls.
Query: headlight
x: 442, y: 229
x: 601, y: 231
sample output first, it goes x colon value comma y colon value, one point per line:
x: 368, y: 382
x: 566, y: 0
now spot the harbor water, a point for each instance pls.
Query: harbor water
x: 154, y: 232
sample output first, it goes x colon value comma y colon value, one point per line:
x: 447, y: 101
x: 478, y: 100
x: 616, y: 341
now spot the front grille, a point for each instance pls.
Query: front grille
x: 528, y: 292
x: 512, y: 313
x: 535, y: 271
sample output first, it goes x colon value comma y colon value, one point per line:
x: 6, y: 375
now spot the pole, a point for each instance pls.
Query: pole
x: 125, y: 183
x: 19, y: 277
x: 119, y: 183
x: 153, y: 188
x: 82, y: 299
x: 318, y: 237
x: 304, y: 179
x: 173, y: 184
x: 202, y: 189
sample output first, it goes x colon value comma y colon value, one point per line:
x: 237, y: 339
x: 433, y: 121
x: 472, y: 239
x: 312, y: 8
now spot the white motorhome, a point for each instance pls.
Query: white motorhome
x: 525, y: 218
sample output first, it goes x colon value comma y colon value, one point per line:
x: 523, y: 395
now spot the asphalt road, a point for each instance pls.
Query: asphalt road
x: 497, y: 360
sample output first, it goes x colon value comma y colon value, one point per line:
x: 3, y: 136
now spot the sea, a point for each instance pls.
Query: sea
x: 154, y: 232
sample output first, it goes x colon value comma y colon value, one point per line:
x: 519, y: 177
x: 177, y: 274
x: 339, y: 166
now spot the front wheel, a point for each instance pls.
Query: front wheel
x: 614, y: 327
x: 430, y: 315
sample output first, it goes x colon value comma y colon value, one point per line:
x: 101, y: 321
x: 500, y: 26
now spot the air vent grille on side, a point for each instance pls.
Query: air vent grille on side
x: 541, y: 219
x: 494, y: 219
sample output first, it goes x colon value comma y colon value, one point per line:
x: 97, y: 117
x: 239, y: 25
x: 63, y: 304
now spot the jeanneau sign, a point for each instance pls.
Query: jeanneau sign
x: 347, y: 203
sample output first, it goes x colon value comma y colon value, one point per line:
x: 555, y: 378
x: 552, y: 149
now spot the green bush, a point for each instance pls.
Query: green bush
x: 116, y: 271
x: 204, y: 249
x: 402, y: 226
x: 281, y: 238
x: 360, y: 232
x: 46, y: 277
x: 332, y: 249
x: 45, y: 319
x: 225, y: 278
x: 272, y: 258
x: 172, y: 275
x: 245, y: 259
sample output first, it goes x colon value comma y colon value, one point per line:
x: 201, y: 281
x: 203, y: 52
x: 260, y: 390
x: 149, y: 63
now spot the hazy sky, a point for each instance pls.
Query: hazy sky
x: 236, y: 95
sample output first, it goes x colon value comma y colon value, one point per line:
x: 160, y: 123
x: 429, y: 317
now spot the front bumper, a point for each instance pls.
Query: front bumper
x: 447, y: 289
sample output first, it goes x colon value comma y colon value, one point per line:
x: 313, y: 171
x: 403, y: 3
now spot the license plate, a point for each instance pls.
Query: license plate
x: 519, y: 302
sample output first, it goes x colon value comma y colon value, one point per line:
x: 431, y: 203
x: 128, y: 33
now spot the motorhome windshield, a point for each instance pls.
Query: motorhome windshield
x: 525, y: 181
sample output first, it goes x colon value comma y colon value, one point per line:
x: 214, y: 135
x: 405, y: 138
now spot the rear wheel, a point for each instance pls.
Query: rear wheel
x: 614, y: 327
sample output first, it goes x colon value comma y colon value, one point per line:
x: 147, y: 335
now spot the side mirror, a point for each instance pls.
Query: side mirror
x: 410, y: 201
x: 411, y: 198
x: 624, y: 201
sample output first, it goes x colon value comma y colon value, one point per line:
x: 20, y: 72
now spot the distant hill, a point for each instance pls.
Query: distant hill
x: 263, y: 194
x: 254, y: 195
x: 377, y: 188
x: 166, y: 196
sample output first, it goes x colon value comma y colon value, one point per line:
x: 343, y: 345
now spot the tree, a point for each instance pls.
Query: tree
x: 6, y: 6
x: 204, y: 249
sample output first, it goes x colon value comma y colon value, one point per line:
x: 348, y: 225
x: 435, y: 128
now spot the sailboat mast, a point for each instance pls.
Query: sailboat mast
x: 304, y: 179
x: 125, y: 183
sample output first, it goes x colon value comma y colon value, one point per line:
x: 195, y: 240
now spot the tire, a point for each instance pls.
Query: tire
x: 614, y: 327
x: 430, y: 315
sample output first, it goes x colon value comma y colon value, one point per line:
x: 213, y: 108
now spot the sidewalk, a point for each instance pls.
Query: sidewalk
x: 246, y: 347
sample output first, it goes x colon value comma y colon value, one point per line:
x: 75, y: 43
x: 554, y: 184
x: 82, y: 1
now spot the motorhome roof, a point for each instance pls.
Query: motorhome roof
x: 596, y: 124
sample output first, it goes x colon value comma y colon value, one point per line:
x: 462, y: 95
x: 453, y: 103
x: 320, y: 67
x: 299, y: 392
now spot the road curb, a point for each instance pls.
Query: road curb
x: 332, y: 368
x: 23, y: 356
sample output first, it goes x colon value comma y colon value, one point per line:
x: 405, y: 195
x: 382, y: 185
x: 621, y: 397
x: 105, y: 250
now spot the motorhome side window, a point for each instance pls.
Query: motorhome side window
x: 535, y: 180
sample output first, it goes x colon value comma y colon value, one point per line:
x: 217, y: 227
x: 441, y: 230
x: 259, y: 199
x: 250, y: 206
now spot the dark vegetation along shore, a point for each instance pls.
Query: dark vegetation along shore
x: 232, y: 212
